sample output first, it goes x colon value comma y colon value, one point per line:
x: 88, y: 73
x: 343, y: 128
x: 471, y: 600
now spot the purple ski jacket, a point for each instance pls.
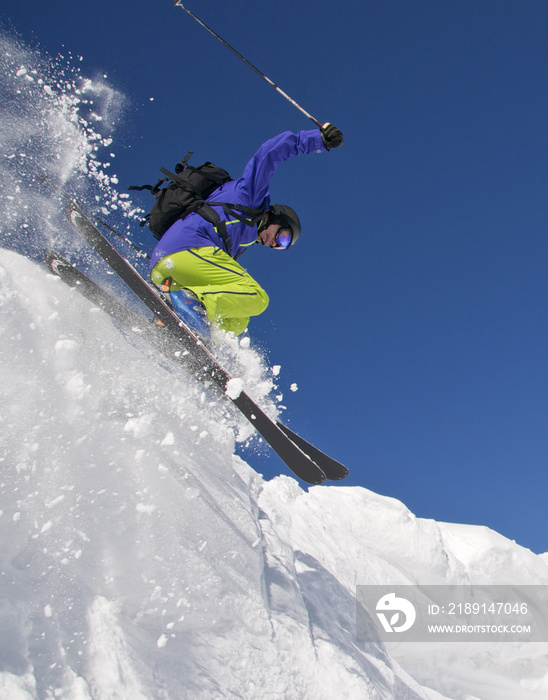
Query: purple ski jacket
x: 251, y: 190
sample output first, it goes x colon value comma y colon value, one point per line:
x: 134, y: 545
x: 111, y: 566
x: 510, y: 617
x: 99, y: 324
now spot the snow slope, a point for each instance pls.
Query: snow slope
x: 142, y: 559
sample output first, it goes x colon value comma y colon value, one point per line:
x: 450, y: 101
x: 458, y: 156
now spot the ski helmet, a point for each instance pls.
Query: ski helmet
x: 286, y: 217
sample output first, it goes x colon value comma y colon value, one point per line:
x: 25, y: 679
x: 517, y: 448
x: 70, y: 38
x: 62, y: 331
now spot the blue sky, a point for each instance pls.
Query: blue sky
x: 412, y: 314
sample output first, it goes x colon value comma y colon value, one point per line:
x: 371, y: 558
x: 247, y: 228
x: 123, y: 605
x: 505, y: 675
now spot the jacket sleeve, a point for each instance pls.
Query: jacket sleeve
x: 254, y: 182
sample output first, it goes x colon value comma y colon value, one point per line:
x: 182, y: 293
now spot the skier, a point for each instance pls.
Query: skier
x: 194, y: 263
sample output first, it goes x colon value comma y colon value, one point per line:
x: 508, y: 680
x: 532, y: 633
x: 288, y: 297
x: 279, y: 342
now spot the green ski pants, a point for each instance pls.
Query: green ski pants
x: 230, y: 295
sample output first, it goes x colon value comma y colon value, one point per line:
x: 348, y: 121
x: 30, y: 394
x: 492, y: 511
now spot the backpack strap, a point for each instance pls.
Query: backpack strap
x: 223, y: 233
x: 247, y: 215
x: 183, y: 164
x: 179, y: 180
x: 185, y: 184
x: 154, y: 189
x: 210, y: 215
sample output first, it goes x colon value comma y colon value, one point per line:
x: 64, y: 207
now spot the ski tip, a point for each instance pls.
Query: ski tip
x: 342, y: 475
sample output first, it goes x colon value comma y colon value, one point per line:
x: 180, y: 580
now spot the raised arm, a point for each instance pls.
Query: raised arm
x: 257, y: 174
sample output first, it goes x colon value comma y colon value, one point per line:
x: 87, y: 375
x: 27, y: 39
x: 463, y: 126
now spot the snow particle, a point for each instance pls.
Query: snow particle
x: 169, y: 439
x: 55, y: 501
x: 234, y: 388
x: 143, y: 508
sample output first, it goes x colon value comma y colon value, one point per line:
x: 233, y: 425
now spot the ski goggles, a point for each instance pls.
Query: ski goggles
x: 283, y: 238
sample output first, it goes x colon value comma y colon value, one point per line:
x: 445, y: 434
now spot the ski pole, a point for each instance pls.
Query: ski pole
x: 178, y: 3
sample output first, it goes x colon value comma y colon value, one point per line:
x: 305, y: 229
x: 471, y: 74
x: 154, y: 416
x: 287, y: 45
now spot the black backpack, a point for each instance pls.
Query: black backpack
x: 189, y: 188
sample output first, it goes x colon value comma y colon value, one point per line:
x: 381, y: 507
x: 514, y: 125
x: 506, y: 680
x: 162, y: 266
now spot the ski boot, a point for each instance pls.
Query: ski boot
x: 191, y: 311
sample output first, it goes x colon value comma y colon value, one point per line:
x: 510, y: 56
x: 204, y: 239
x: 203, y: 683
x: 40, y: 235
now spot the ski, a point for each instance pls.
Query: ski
x: 334, y: 471
x: 72, y: 276
x: 306, y: 461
